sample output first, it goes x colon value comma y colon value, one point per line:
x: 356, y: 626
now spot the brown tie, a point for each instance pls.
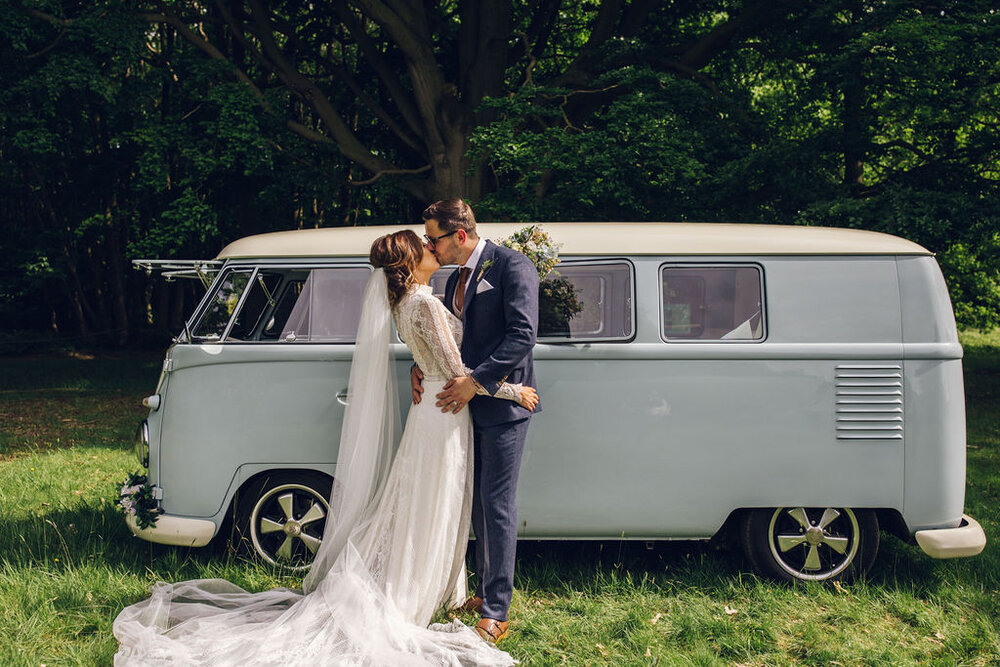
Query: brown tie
x: 463, y: 277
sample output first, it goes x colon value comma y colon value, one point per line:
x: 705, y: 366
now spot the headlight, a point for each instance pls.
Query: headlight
x: 142, y: 443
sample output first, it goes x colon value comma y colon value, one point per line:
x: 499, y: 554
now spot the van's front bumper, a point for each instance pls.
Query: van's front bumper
x: 966, y: 539
x: 175, y: 530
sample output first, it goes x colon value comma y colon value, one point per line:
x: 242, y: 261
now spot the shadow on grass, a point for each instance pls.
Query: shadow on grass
x: 555, y: 568
x: 89, y: 534
x: 126, y: 372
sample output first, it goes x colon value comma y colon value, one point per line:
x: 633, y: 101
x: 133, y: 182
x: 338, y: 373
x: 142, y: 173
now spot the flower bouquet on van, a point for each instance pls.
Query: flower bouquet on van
x: 135, y: 498
x: 557, y: 298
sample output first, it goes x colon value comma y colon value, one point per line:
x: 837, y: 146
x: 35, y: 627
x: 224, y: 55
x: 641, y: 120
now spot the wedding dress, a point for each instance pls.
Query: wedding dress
x: 393, y: 549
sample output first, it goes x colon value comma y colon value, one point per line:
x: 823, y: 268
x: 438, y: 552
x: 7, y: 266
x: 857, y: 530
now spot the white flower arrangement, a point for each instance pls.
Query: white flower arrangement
x: 558, y: 299
x: 135, y: 498
x: 535, y: 243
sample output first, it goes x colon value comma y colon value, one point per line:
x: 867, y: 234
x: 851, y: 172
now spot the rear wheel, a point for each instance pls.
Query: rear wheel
x: 811, y: 543
x: 280, y: 518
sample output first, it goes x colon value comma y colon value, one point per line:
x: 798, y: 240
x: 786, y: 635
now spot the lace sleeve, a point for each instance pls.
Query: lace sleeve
x: 431, y: 323
x: 507, y: 391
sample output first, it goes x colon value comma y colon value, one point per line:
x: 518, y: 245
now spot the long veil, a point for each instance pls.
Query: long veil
x: 345, y: 617
x: 369, y: 433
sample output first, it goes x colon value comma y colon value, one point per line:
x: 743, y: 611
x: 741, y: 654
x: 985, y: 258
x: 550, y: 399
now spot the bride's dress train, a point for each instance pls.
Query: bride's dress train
x: 395, y: 556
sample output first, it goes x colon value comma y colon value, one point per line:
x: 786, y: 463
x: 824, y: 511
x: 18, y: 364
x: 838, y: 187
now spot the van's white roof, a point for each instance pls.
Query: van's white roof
x: 602, y: 238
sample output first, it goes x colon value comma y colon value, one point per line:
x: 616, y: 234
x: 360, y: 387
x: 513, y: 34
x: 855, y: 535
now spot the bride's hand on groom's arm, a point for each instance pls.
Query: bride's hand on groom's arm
x: 416, y: 382
x: 529, y: 398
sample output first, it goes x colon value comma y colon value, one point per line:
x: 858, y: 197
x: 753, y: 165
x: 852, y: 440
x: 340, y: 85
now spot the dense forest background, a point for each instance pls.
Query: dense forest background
x: 167, y: 128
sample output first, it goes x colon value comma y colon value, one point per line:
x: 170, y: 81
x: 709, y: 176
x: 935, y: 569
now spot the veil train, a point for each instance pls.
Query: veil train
x: 344, y: 616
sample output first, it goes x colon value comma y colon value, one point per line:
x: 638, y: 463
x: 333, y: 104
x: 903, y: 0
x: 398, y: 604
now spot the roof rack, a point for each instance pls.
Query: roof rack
x: 202, y: 269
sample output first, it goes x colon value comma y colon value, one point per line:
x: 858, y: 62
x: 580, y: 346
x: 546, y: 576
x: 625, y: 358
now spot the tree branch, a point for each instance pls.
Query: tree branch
x: 376, y: 108
x: 52, y: 45
x: 209, y: 49
x: 386, y: 172
x: 483, y: 34
x: 699, y: 53
x: 48, y: 18
x: 398, y: 94
x: 343, y: 138
x: 305, y: 88
x: 425, y: 75
x: 635, y: 17
x: 913, y: 148
x: 578, y: 74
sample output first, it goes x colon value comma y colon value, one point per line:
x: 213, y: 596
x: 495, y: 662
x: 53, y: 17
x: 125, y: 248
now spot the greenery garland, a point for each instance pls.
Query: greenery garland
x: 135, y: 498
x: 557, y: 298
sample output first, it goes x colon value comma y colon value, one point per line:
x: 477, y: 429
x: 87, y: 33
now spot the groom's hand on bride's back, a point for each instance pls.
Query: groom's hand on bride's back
x: 456, y: 394
x: 416, y: 379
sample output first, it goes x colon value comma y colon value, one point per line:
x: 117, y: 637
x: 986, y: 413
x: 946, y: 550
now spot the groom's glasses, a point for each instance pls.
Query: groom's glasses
x: 432, y: 240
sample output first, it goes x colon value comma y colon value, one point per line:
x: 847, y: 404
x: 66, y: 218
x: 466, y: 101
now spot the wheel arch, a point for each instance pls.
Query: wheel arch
x: 250, y: 475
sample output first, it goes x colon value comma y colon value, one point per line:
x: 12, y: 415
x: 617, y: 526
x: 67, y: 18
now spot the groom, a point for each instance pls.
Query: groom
x: 495, y: 293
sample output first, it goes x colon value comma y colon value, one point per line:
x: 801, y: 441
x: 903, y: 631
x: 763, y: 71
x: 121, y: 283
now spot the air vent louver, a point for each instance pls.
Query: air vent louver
x: 869, y: 402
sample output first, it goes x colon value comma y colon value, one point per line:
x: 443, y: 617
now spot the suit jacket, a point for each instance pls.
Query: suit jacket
x: 500, y: 322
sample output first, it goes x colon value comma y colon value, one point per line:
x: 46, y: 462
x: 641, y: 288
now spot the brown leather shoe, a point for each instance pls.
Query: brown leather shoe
x: 472, y: 605
x: 492, y: 630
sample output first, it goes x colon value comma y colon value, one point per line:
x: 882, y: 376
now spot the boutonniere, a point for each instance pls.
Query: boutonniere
x: 484, y: 268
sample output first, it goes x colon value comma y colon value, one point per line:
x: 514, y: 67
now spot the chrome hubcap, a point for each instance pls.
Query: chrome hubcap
x: 286, y: 525
x: 813, y: 543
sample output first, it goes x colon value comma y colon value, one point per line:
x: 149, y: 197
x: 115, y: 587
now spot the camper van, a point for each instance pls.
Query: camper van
x: 796, y: 388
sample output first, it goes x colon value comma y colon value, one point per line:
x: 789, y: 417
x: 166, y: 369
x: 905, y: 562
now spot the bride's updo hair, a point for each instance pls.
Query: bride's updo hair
x: 399, y: 254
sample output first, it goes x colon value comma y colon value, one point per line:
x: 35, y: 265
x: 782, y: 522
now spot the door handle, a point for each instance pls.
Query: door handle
x: 342, y: 396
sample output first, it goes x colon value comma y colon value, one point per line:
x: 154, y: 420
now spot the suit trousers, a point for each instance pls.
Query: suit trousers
x: 498, y: 452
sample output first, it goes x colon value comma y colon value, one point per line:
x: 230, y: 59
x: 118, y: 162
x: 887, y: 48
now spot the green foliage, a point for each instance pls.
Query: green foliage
x: 763, y: 132
x: 557, y: 298
x: 558, y: 303
x: 975, y: 282
x: 642, y: 158
x: 120, y: 138
x: 135, y: 498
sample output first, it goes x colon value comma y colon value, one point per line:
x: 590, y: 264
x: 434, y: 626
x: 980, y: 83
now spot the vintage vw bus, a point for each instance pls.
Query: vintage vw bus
x: 798, y: 388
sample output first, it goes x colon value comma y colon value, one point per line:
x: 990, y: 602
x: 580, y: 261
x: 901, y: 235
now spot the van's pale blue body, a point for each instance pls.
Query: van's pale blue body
x: 641, y: 438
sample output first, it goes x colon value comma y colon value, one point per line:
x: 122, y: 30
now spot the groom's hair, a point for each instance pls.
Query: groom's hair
x: 452, y: 214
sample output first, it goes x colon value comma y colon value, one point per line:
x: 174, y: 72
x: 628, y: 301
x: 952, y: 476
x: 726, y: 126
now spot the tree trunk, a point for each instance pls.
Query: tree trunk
x: 855, y: 123
x: 855, y: 130
x: 115, y: 259
x: 177, y: 306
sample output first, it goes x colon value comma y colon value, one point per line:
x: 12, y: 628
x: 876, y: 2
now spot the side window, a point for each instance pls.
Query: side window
x: 717, y: 302
x: 220, y: 309
x: 286, y: 305
x: 258, y: 302
x: 288, y: 295
x: 577, y: 301
x: 327, y: 307
x: 586, y: 301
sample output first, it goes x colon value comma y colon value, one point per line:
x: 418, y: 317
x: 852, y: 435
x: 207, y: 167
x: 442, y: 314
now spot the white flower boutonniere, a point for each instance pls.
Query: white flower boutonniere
x: 484, y: 268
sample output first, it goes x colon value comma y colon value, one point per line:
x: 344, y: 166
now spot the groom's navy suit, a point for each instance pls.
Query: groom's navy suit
x: 500, y: 323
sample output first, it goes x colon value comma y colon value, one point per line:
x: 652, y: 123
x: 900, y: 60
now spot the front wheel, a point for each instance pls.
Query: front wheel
x: 280, y: 518
x: 811, y: 543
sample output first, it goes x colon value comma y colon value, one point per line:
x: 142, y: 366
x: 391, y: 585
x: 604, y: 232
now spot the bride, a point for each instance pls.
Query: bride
x: 393, y: 550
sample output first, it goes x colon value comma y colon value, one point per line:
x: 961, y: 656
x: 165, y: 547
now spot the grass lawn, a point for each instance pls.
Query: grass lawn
x: 68, y: 564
